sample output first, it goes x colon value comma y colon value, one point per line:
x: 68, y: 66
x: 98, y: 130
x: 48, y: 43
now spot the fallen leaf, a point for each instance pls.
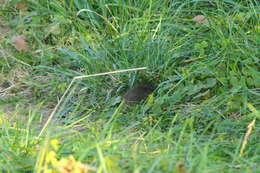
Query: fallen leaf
x: 21, y: 6
x: 180, y: 167
x: 19, y: 43
x: 200, y: 19
x: 4, y: 29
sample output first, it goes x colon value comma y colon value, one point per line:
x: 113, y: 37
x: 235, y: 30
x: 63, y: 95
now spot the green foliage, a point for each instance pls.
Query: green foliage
x: 206, y: 75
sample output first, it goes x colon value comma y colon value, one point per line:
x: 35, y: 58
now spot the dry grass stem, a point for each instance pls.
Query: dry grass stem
x: 70, y: 85
x: 249, y: 131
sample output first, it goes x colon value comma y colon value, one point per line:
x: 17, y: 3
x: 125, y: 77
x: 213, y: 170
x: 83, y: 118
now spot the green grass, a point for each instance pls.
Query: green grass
x: 206, y: 76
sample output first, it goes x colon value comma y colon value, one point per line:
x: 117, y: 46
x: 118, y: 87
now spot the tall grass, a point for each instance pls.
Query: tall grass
x: 206, y: 75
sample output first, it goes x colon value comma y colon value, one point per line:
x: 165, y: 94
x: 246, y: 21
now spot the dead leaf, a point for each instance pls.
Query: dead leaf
x: 4, y: 29
x: 21, y: 6
x: 19, y: 43
x: 200, y: 19
x: 180, y: 167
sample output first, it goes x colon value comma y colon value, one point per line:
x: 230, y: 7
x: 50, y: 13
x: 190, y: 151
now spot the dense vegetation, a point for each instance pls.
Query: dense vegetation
x: 202, y: 56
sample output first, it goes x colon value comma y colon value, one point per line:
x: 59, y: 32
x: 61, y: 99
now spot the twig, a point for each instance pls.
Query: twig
x: 112, y: 72
x: 70, y: 85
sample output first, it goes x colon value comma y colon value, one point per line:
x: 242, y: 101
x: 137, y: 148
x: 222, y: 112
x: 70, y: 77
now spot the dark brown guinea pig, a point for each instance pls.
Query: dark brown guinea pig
x: 138, y: 93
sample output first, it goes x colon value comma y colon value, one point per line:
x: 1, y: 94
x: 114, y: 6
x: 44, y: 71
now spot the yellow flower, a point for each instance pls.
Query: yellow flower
x: 70, y: 165
x: 51, y: 158
x: 48, y: 171
x: 55, y: 144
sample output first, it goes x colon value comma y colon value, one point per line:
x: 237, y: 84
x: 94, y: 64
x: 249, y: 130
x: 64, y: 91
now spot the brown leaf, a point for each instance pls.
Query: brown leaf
x: 4, y: 29
x: 200, y: 19
x: 19, y: 43
x: 180, y: 167
x: 21, y: 6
